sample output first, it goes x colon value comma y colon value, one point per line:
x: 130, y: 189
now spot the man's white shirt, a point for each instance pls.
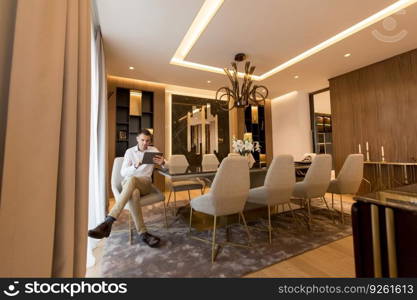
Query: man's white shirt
x: 133, y: 156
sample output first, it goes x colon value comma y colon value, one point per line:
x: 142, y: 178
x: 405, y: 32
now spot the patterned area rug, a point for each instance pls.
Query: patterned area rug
x: 181, y: 256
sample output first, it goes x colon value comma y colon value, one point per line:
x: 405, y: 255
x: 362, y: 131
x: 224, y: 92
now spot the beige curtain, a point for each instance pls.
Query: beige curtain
x: 7, y: 18
x: 44, y: 197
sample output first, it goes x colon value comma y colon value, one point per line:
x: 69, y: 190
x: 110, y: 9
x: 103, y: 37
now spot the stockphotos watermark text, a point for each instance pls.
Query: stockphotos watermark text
x: 70, y: 289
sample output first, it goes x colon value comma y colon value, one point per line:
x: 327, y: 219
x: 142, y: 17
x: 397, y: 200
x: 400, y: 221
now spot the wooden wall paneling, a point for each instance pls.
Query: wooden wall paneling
x: 411, y: 142
x: 367, y: 95
x: 378, y: 104
x: 388, y: 76
x: 342, y: 125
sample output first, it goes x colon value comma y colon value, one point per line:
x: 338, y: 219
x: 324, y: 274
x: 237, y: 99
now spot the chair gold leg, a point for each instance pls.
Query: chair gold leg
x: 309, y: 210
x: 341, y: 210
x: 165, y: 215
x: 175, y: 202
x: 246, y: 227
x: 269, y: 225
x: 328, y: 208
x: 169, y: 197
x: 213, y: 241
x: 191, y: 219
x: 189, y: 195
x: 130, y: 229
x: 332, y: 200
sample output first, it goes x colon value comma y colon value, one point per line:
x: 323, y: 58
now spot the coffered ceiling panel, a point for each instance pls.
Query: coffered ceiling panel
x: 145, y: 34
x: 274, y: 31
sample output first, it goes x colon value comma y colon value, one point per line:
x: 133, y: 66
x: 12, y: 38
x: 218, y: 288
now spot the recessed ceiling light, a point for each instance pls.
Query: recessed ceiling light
x: 296, y: 76
x: 347, y: 55
x: 210, y: 8
x: 208, y: 81
x: 131, y: 68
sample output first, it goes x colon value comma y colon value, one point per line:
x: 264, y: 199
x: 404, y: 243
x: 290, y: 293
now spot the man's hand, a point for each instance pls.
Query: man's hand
x: 138, y: 164
x: 158, y: 159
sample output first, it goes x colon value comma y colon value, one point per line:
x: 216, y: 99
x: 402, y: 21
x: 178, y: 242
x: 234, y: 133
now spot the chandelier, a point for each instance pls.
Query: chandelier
x: 244, y: 95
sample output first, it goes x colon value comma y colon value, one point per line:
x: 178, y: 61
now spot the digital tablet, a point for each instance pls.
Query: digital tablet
x: 148, y: 157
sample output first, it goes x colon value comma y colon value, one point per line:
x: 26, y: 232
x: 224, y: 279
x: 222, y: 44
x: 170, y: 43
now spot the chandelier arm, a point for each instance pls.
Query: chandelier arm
x: 247, y: 65
x: 221, y: 91
x: 226, y: 105
x: 229, y: 75
x: 243, y: 88
x: 265, y: 89
x: 236, y: 82
x: 249, y: 90
x: 249, y: 71
x: 254, y: 97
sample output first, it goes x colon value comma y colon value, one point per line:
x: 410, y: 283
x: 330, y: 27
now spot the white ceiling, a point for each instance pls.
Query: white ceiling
x: 146, y: 33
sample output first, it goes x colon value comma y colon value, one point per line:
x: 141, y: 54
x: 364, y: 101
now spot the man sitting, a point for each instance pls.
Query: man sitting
x: 136, y: 176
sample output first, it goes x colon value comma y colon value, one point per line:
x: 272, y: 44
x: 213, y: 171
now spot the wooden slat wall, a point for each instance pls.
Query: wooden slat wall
x: 378, y: 104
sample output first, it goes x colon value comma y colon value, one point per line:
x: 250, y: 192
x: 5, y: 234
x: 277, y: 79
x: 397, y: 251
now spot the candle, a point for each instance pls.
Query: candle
x: 360, y: 150
x: 367, y: 146
x: 382, y: 152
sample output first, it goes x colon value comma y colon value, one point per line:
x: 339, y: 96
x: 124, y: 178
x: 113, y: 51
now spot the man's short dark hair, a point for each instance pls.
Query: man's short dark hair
x: 144, y: 132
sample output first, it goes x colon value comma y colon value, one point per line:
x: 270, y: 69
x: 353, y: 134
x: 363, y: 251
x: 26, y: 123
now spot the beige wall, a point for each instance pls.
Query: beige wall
x: 159, y: 116
x: 7, y: 20
x: 322, y: 103
x: 291, y: 128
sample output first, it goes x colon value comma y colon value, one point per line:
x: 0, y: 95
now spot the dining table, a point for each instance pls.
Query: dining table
x: 257, y: 172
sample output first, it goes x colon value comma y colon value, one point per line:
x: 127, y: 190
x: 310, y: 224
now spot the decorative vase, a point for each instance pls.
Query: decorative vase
x: 250, y: 159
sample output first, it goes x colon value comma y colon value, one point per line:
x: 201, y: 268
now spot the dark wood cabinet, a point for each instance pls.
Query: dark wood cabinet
x: 385, y: 233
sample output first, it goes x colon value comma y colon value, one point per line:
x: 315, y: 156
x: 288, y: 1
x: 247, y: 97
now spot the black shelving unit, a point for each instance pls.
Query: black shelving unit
x: 128, y: 126
x: 257, y: 129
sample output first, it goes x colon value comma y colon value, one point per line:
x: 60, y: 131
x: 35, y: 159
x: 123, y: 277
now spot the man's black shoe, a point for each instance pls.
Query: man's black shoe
x: 149, y: 239
x: 102, y: 230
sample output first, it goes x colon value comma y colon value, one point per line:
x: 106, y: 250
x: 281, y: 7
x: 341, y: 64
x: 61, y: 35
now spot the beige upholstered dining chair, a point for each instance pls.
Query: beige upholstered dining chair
x: 227, y: 196
x: 315, y: 182
x: 278, y: 186
x: 209, y: 163
x: 177, y: 184
x: 348, y: 180
x: 233, y: 154
x: 209, y: 160
x: 137, y: 201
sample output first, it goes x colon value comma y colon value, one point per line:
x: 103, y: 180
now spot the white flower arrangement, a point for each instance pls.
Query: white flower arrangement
x: 245, y: 146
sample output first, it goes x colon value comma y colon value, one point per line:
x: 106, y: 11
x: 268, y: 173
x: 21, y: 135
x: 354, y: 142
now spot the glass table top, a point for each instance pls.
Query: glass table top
x: 212, y: 169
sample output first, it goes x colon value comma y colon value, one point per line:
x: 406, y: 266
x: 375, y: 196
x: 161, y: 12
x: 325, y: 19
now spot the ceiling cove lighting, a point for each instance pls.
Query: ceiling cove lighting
x: 210, y: 8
